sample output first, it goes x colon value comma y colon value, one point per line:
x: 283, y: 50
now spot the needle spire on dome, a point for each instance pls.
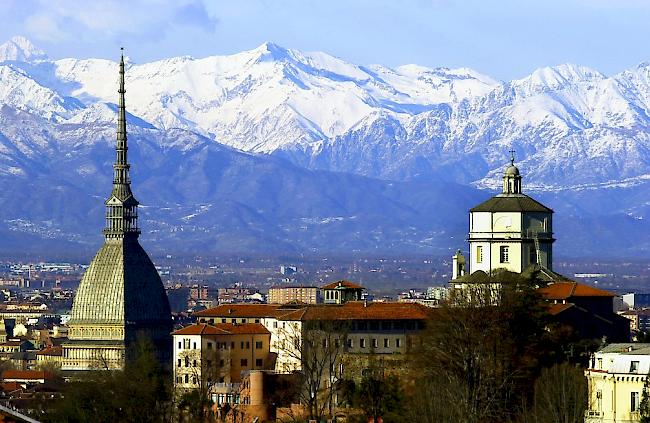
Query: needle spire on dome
x: 121, y: 206
x: 512, y: 156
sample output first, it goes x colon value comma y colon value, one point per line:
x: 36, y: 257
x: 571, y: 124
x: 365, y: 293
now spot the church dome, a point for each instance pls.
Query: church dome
x: 512, y: 170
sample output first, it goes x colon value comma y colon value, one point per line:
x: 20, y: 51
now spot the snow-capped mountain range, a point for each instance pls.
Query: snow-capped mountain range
x: 575, y: 131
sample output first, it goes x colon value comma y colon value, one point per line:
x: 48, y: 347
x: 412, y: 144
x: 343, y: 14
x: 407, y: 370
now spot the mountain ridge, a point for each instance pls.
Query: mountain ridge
x: 411, y: 136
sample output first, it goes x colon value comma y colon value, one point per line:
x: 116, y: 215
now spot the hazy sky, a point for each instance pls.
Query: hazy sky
x: 502, y: 38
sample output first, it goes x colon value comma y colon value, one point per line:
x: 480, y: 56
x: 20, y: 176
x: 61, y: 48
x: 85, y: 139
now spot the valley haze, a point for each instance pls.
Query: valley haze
x: 275, y: 149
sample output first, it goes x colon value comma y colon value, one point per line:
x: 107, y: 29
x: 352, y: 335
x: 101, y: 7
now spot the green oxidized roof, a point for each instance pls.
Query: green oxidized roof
x: 511, y: 203
x: 121, y: 286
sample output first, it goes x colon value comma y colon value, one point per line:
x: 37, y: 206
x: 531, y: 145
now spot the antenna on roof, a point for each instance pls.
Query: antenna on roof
x: 512, y: 156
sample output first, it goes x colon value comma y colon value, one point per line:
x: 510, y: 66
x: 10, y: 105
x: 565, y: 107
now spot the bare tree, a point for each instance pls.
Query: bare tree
x: 479, y: 354
x: 560, y: 395
x: 318, y: 347
x: 202, y: 370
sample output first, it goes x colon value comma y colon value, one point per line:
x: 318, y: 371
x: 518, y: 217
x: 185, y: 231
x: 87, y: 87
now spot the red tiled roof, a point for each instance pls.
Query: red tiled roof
x: 240, y: 310
x: 10, y: 386
x: 564, y: 290
x: 353, y: 310
x: 359, y: 310
x: 26, y: 374
x: 222, y: 329
x: 342, y: 284
x: 556, y: 309
x: 56, y: 350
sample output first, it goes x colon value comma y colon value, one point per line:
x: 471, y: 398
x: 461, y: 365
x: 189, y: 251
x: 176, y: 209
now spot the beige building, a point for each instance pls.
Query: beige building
x: 293, y: 294
x: 510, y: 231
x: 615, y: 380
x: 340, y: 292
x: 220, y: 353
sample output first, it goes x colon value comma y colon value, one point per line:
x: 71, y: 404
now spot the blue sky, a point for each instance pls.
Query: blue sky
x: 502, y: 38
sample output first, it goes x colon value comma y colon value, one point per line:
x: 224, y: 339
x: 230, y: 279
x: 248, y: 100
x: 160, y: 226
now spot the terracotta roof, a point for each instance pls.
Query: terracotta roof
x: 56, y: 350
x: 342, y: 284
x: 27, y: 374
x: 564, y: 290
x: 511, y: 203
x: 10, y: 386
x: 556, y: 309
x: 353, y: 310
x: 359, y: 310
x: 240, y: 310
x: 222, y: 329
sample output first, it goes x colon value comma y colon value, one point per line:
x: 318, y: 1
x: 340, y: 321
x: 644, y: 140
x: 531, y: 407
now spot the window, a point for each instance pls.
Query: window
x: 257, y: 320
x: 634, y: 366
x: 179, y: 345
x: 259, y: 362
x: 350, y: 343
x: 187, y: 379
x: 600, y: 364
x: 223, y: 320
x: 398, y: 342
x: 248, y: 345
x: 533, y: 255
x: 386, y: 342
x: 275, y: 325
x: 195, y: 345
x: 258, y: 345
x: 179, y: 362
x: 324, y: 342
x: 599, y: 400
x: 634, y: 401
x: 194, y: 363
x: 221, y: 363
x: 232, y: 345
x: 243, y: 320
x: 244, y: 362
x: 242, y: 345
x: 187, y: 362
x: 209, y: 345
x: 375, y: 344
x: 503, y: 254
x: 362, y: 342
x: 479, y: 254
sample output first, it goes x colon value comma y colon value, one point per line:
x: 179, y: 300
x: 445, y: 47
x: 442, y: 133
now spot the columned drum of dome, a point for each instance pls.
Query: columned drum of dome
x: 121, y: 297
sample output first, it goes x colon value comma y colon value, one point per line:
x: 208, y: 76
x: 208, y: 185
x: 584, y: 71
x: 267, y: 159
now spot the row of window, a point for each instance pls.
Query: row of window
x: 504, y: 254
x: 259, y: 362
x: 232, y: 320
x: 374, y: 343
x: 244, y: 345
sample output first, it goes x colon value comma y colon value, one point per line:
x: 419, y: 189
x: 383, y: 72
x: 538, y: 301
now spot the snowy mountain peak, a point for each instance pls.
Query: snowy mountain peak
x: 20, y: 49
x: 557, y: 77
x: 271, y: 52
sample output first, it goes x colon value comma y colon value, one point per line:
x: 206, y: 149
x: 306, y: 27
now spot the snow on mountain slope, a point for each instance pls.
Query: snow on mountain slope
x: 20, y: 49
x: 324, y: 113
x: 263, y: 99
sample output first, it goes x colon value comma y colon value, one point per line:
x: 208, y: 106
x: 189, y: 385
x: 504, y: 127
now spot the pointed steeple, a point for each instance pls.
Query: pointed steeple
x: 121, y: 206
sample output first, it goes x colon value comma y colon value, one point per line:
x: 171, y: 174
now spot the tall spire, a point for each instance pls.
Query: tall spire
x: 121, y: 166
x: 121, y: 206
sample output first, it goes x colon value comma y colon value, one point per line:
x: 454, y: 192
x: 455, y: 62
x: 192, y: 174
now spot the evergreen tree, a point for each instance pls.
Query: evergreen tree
x: 644, y: 407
